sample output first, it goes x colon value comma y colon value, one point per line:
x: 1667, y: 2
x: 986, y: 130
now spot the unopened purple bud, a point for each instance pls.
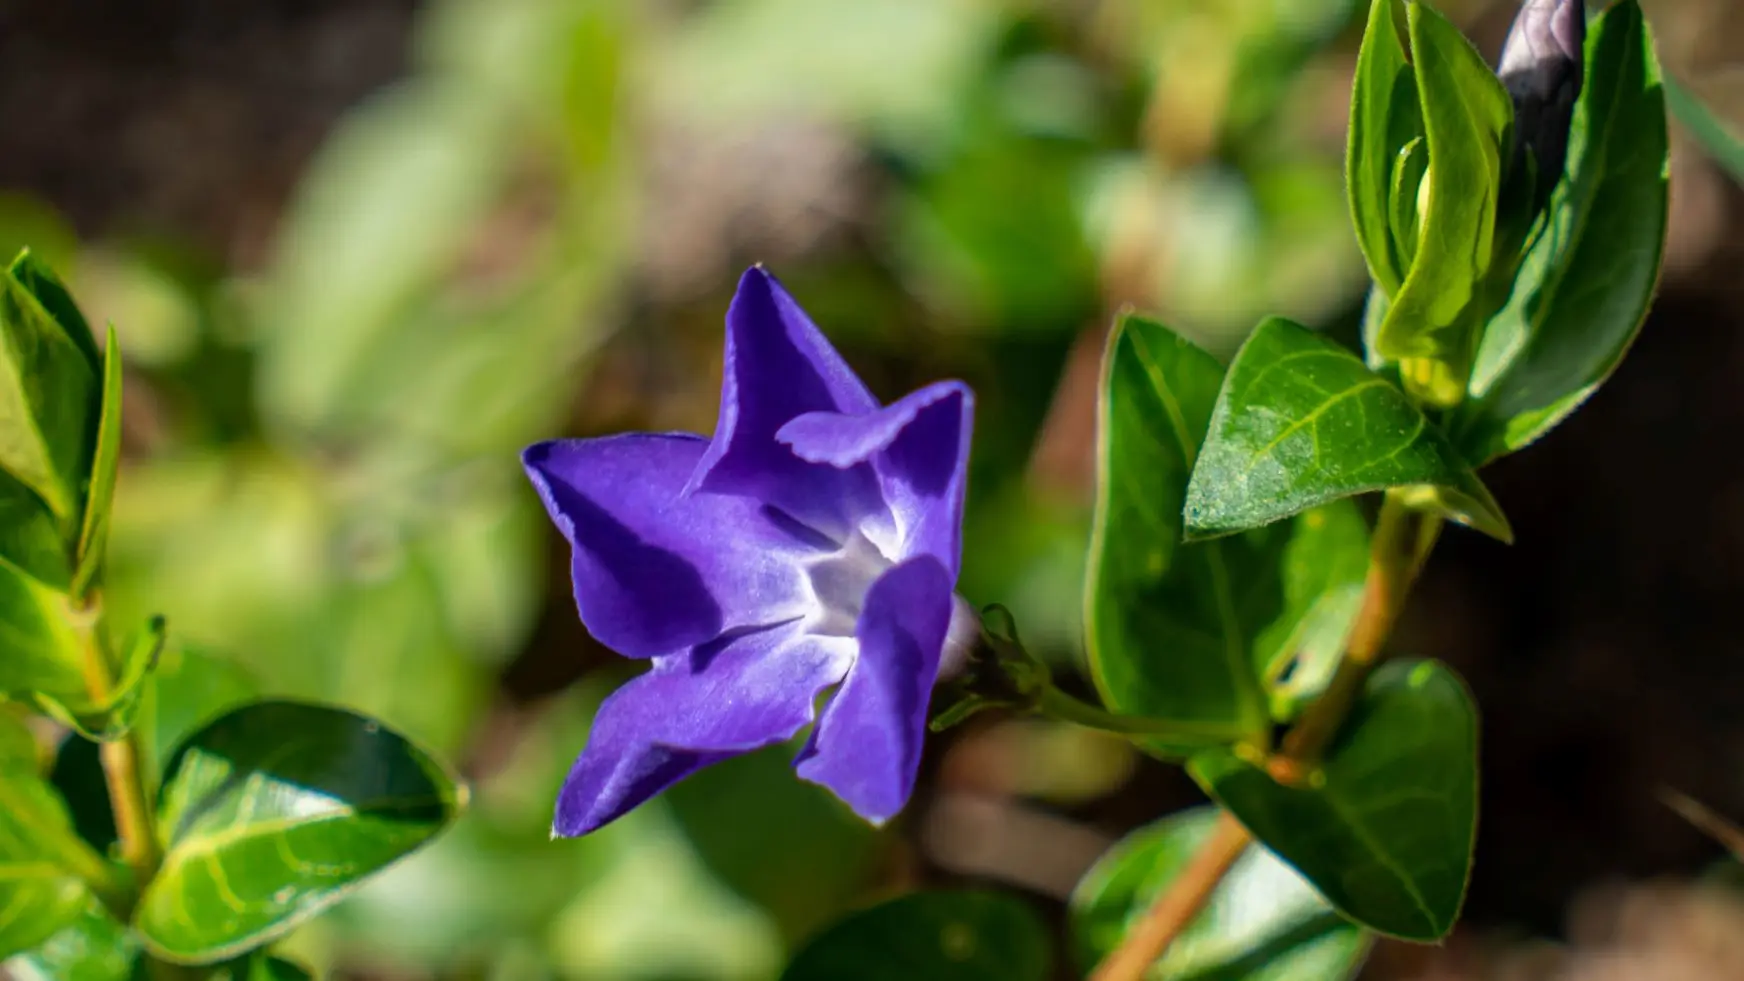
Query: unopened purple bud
x: 1541, y: 69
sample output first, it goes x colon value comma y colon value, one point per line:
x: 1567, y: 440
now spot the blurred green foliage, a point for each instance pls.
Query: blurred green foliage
x: 533, y: 233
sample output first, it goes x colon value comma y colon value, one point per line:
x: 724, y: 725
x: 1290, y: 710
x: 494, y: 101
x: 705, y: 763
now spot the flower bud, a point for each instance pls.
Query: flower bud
x: 1541, y: 69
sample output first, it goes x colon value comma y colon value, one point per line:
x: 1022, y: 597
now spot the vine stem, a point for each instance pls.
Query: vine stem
x: 1054, y: 703
x: 122, y: 769
x: 1402, y: 540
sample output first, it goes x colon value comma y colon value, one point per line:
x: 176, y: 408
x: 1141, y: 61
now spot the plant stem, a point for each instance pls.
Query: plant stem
x: 1402, y: 540
x: 1178, y: 905
x: 1056, y: 704
x: 122, y: 770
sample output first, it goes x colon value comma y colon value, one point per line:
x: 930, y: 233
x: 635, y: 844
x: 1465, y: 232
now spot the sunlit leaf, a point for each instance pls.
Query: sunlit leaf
x: 93, y: 947
x: 1383, y: 119
x: 1263, y: 922
x: 274, y: 812
x: 1587, y: 278
x: 1301, y: 421
x: 42, y: 859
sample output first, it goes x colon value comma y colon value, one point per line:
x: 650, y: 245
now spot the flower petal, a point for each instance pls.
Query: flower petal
x: 739, y: 693
x: 867, y: 744
x: 655, y: 570
x: 919, y: 448
x: 778, y: 366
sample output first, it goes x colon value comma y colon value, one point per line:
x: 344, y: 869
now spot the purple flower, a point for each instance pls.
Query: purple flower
x: 812, y: 544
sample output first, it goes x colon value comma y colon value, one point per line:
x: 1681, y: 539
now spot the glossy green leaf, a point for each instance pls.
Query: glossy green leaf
x: 1466, y: 117
x: 1263, y: 922
x: 1185, y: 632
x: 931, y: 936
x: 1589, y: 274
x: 1300, y: 422
x: 105, y: 463
x: 1323, y: 568
x: 1723, y: 141
x: 1384, y: 827
x: 49, y: 398
x: 1383, y: 119
x: 42, y: 649
x: 274, y: 812
x: 42, y: 860
x: 94, y: 947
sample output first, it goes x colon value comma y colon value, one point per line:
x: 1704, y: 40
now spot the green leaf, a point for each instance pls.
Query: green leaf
x: 112, y: 718
x: 1182, y: 632
x: 1589, y: 274
x: 40, y: 281
x: 190, y: 688
x: 43, y: 863
x: 1384, y: 827
x: 1410, y: 167
x: 1724, y: 143
x: 105, y: 462
x: 931, y: 936
x: 42, y: 649
x: 49, y: 397
x: 274, y: 812
x: 1301, y: 421
x: 1383, y: 119
x: 1323, y: 569
x: 1263, y: 922
x: 1466, y: 117
x: 94, y: 947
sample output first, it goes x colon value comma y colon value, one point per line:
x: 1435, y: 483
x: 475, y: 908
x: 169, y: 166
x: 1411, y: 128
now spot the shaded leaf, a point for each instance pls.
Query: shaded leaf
x: 1181, y: 632
x: 1384, y: 828
x: 274, y: 812
x: 1588, y: 275
x: 261, y: 966
x: 1263, y: 922
x: 1466, y: 116
x: 1300, y: 422
x: 931, y: 936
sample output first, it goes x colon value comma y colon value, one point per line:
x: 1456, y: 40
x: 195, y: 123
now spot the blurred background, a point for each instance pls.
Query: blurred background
x: 360, y: 252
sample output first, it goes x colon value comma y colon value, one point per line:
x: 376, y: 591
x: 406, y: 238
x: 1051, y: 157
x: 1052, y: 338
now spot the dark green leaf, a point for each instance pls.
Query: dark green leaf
x: 1588, y: 275
x: 1384, y: 828
x: 94, y: 947
x: 1300, y: 422
x: 42, y: 860
x: 931, y: 936
x: 1466, y: 116
x: 77, y: 775
x: 1262, y: 923
x: 31, y: 539
x: 1177, y: 632
x: 42, y: 649
x: 1383, y: 119
x: 49, y: 399
x: 105, y: 461
x: 1723, y: 141
x: 274, y: 812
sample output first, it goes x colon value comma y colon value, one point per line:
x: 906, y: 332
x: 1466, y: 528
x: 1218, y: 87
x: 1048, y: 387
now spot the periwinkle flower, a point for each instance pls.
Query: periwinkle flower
x: 812, y: 545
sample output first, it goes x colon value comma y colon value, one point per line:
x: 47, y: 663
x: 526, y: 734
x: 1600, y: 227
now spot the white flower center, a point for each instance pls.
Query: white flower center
x: 839, y: 583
